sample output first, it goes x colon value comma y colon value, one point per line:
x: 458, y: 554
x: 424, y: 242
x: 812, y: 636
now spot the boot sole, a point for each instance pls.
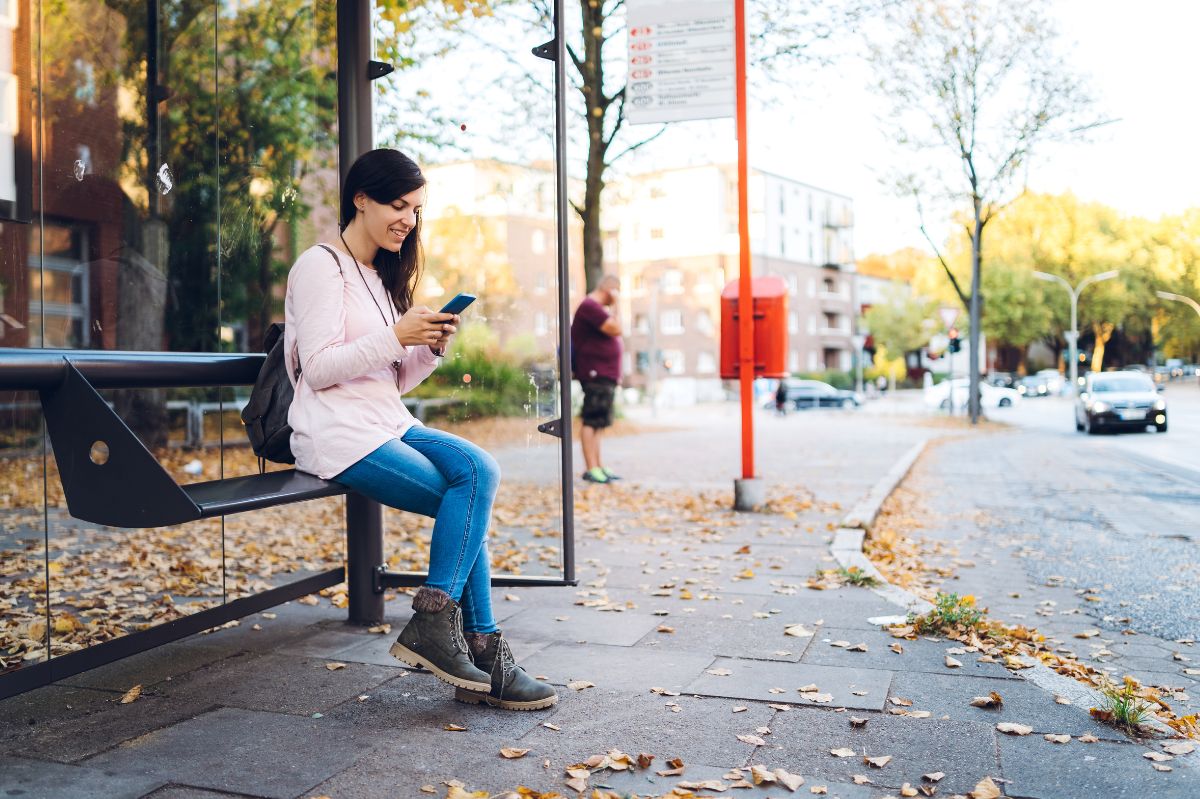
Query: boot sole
x: 411, y: 658
x: 477, y: 698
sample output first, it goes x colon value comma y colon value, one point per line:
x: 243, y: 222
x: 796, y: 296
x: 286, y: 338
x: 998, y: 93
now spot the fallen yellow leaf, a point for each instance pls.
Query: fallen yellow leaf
x: 986, y: 789
x: 513, y: 753
x: 132, y: 694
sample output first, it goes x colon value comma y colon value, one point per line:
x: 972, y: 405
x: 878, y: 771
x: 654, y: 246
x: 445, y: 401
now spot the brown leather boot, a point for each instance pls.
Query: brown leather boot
x: 433, y: 639
x: 511, y: 688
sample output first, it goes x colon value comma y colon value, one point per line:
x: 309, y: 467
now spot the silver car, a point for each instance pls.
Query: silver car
x: 1120, y: 400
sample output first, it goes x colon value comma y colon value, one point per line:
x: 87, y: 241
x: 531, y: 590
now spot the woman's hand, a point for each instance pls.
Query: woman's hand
x: 422, y: 326
x: 448, y: 331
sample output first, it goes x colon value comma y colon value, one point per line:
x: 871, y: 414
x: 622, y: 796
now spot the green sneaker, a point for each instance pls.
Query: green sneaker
x: 609, y: 473
x: 596, y: 475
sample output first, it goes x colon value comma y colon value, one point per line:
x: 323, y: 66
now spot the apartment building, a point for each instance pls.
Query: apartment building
x: 676, y: 242
x: 489, y: 229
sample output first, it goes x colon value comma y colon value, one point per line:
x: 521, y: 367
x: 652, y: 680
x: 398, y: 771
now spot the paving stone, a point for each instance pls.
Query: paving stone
x: 588, y: 625
x: 1024, y: 703
x: 844, y: 608
x: 281, y: 683
x: 704, y: 731
x: 1042, y: 770
x: 329, y: 644
x: 419, y: 703
x: 647, y: 782
x: 148, y: 668
x: 634, y: 669
x: 66, y: 723
x: 965, y: 751
x: 742, y: 636
x: 37, y: 778
x: 920, y: 655
x: 243, y: 751
x: 753, y: 679
x: 188, y: 792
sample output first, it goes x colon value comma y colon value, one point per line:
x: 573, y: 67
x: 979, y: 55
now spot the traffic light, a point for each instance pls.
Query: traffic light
x: 955, y: 341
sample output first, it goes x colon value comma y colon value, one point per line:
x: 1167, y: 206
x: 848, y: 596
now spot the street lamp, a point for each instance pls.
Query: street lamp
x: 1166, y: 295
x: 1073, y: 334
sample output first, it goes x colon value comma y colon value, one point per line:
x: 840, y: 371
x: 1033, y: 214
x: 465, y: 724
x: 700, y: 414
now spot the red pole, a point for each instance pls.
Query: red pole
x: 745, y: 305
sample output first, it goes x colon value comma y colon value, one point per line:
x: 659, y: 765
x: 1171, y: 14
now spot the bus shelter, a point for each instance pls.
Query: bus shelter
x: 161, y: 166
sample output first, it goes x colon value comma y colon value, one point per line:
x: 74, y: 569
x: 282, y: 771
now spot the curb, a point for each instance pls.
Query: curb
x: 863, y: 514
x: 847, y: 550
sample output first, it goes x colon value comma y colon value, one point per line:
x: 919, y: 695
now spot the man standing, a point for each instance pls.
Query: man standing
x: 596, y: 362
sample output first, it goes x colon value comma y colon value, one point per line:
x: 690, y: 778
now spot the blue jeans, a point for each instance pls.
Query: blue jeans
x: 454, y: 482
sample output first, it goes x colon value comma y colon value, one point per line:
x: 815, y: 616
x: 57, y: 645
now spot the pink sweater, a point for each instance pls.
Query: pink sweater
x: 346, y: 402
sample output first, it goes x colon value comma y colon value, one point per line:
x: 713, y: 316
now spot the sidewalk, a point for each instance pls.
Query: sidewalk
x: 674, y: 645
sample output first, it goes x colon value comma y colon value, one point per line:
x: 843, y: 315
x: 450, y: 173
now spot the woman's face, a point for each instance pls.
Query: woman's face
x: 388, y: 224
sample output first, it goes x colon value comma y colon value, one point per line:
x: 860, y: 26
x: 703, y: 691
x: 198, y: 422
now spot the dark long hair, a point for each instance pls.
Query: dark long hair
x: 384, y: 175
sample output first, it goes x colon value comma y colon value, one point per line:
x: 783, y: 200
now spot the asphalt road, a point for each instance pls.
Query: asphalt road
x: 1117, y: 513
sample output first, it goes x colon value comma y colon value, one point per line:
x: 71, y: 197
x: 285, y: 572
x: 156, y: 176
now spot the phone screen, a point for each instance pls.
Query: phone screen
x: 458, y: 303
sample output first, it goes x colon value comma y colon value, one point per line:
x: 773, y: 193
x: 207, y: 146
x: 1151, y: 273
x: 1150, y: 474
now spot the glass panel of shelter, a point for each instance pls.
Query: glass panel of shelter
x: 489, y: 229
x: 125, y: 260
x: 24, y: 620
x: 278, y: 152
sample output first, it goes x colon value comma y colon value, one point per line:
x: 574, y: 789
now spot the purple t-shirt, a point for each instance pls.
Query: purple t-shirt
x: 594, y: 353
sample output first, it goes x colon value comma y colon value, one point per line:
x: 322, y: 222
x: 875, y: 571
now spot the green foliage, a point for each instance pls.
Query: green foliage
x: 485, y: 380
x: 950, y: 612
x: 902, y: 322
x: 857, y: 577
x: 835, y: 378
x: 1122, y: 705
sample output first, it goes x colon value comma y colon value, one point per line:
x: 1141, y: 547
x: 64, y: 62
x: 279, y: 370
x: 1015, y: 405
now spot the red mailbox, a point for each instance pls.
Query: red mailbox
x: 770, y: 328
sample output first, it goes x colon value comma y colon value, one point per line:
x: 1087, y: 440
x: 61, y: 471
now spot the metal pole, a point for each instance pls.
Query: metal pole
x: 564, y: 289
x: 745, y: 287
x: 364, y: 554
x: 364, y: 517
x: 1073, y: 344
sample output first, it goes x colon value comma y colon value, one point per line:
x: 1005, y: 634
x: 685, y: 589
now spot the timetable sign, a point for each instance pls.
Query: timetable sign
x: 681, y: 60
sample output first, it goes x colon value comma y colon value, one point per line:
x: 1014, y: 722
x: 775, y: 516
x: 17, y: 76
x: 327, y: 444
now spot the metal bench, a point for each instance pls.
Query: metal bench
x: 110, y: 478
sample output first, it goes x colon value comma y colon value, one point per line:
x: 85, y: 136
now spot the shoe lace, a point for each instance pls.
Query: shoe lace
x: 505, y: 656
x: 460, y: 640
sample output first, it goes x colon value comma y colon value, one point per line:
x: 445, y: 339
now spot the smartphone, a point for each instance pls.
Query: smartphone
x: 458, y: 303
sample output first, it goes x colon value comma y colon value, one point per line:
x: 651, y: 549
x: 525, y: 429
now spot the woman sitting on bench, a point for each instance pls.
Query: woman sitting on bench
x: 356, y: 343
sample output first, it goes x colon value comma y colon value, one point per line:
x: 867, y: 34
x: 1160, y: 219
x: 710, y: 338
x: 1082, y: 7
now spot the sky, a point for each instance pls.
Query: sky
x: 1142, y: 61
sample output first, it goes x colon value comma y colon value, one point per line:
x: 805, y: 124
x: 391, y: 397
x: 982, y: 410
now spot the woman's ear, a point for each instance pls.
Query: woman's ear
x: 360, y: 201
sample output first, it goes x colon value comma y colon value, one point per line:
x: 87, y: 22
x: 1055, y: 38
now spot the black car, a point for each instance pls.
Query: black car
x: 1120, y: 400
x: 815, y: 394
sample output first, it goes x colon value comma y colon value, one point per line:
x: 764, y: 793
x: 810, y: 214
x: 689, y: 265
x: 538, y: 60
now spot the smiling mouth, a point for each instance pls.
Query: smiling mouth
x: 398, y: 232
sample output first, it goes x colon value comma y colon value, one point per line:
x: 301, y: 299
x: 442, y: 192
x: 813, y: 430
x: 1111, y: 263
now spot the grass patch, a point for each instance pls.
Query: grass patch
x: 950, y: 613
x: 1123, y: 705
x: 856, y: 577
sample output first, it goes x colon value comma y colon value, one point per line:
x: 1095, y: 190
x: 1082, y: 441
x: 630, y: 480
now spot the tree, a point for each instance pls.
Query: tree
x: 975, y: 87
x: 902, y: 323
x: 786, y: 34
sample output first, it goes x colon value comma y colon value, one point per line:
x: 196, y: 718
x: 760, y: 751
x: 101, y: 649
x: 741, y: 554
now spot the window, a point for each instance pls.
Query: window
x: 657, y: 192
x: 540, y: 282
x: 704, y: 323
x: 671, y: 322
x: 58, y: 290
x: 782, y: 203
x: 672, y: 281
x: 793, y: 361
x: 793, y: 284
x: 832, y: 357
x: 537, y: 242
x: 829, y: 285
x: 541, y: 323
x: 706, y: 363
x: 656, y: 233
x: 641, y: 323
x: 793, y: 323
x: 831, y: 321
x: 782, y: 240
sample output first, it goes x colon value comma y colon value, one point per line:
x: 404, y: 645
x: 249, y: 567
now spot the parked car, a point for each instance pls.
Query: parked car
x: 1116, y: 400
x: 815, y: 394
x: 1055, y: 382
x: 1033, y: 386
x: 938, y: 396
x: 1002, y: 379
